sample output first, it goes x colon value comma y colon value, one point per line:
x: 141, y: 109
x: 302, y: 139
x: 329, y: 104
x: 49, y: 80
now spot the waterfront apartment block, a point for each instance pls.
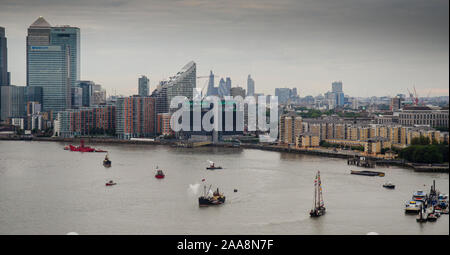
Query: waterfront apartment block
x: 135, y: 117
x: 86, y: 121
x: 306, y: 140
x: 290, y: 128
x: 373, y: 137
x: 163, y: 124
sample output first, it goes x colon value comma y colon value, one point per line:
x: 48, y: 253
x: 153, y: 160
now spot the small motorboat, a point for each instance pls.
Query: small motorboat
x: 106, y: 162
x: 367, y: 173
x: 159, y: 174
x: 389, y: 185
x: 110, y: 183
x: 212, y: 166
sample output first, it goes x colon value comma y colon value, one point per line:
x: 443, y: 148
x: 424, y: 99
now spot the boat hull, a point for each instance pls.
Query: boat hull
x: 368, y: 173
x: 214, y: 168
x: 106, y: 163
x: 317, y: 212
x: 203, y: 201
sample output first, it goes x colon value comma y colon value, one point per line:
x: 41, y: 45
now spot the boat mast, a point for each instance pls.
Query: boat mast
x: 319, y: 186
x: 315, y: 193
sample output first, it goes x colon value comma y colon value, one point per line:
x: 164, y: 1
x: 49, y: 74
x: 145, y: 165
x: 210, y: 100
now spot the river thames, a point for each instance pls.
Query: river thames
x: 47, y: 190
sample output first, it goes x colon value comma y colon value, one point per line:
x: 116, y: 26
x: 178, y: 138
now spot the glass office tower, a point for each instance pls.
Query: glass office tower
x: 69, y: 36
x: 48, y: 67
x: 53, y: 62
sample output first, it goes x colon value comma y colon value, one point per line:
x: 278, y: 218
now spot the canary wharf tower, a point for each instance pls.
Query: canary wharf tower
x: 53, y: 62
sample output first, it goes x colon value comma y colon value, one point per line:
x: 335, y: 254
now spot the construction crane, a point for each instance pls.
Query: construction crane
x: 413, y: 97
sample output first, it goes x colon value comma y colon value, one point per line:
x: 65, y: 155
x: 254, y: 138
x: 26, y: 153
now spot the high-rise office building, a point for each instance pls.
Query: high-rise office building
x: 228, y: 85
x: 336, y: 89
x: 211, y: 89
x: 143, y: 83
x: 87, y: 92
x: 250, y: 86
x: 69, y: 37
x: 77, y: 97
x: 4, y: 74
x: 53, y: 62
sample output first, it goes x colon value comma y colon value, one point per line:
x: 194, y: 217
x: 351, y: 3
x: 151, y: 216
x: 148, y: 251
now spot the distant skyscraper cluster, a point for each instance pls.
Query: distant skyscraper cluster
x: 224, y: 88
x: 286, y: 95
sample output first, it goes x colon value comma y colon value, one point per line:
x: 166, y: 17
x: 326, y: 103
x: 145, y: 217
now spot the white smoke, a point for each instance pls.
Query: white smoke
x: 194, y: 189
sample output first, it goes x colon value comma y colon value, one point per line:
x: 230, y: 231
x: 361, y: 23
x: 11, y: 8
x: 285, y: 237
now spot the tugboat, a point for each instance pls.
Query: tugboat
x: 212, y: 166
x: 206, y: 200
x: 318, y: 206
x: 110, y: 183
x: 159, y: 174
x: 367, y: 173
x: 389, y: 185
x: 106, y: 161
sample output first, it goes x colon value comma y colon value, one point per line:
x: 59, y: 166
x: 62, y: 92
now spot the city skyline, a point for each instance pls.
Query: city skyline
x: 383, y: 52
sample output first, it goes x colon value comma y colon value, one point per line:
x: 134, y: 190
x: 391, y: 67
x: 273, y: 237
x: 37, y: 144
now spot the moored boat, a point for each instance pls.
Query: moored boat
x: 318, y: 205
x: 412, y: 207
x: 432, y: 217
x: 367, y: 173
x: 419, y: 195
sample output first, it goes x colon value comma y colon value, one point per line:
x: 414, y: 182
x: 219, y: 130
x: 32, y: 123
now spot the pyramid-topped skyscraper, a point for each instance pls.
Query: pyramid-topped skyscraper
x: 53, y: 62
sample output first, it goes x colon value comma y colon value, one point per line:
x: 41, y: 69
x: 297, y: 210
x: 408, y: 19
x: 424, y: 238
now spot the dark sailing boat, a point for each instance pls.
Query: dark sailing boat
x: 106, y: 161
x: 216, y: 199
x: 318, y: 207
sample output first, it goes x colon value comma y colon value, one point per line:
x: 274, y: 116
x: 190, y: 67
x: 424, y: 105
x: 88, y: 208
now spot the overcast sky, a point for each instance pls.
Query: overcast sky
x: 376, y: 47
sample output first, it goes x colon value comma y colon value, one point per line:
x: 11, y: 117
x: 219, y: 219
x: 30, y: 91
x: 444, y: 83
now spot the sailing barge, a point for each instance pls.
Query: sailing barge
x: 206, y: 200
x: 318, y: 206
